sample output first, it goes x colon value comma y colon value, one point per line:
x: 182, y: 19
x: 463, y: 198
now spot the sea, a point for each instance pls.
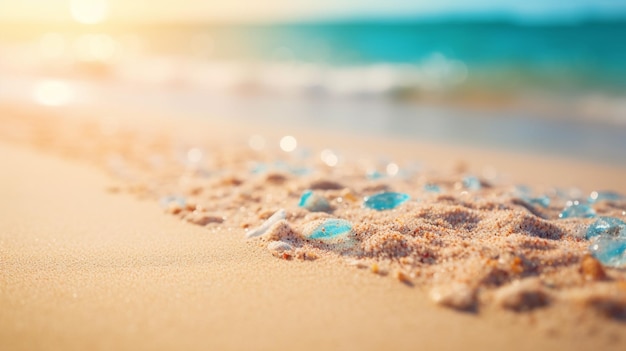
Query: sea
x: 546, y: 87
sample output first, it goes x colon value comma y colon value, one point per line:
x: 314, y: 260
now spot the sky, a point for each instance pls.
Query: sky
x: 273, y: 10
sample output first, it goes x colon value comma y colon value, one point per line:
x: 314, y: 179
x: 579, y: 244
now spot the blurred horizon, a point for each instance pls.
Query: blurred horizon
x: 507, y: 67
x: 283, y: 11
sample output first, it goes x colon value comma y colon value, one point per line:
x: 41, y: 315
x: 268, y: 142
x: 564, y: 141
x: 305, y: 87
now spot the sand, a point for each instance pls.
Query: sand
x: 86, y: 267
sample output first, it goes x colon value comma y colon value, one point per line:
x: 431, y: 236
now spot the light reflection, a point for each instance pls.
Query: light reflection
x: 288, y: 143
x: 89, y: 11
x: 95, y: 47
x: 53, y: 93
x: 194, y: 155
x: 329, y: 157
x: 392, y: 169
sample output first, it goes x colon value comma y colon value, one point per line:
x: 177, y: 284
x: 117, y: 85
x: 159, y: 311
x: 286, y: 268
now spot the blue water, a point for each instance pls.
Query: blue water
x: 587, y: 56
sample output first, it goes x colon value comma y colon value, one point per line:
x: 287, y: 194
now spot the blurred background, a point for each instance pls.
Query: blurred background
x: 543, y: 76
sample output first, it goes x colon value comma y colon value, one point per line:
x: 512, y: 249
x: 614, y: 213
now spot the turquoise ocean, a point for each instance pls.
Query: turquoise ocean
x: 556, y: 88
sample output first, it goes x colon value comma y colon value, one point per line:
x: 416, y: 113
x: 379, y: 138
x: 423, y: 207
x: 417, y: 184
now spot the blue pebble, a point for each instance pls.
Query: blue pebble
x: 523, y: 190
x: 597, y: 196
x: 386, y: 200
x: 301, y: 171
x: 373, y: 175
x: 471, y: 183
x: 609, y: 250
x: 259, y: 168
x: 577, y: 210
x: 542, y: 201
x: 608, y: 226
x: 314, y: 202
x: 330, y: 229
x: 432, y: 188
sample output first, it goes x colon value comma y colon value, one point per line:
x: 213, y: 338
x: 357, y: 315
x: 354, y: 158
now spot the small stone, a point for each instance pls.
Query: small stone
x: 402, y: 277
x: 458, y: 296
x: 385, y: 200
x: 346, y: 194
x: 328, y: 229
x: 174, y: 208
x: 314, y: 202
x: 275, y: 178
x: 591, y: 268
x: 609, y: 250
x: 357, y: 263
x: 607, y: 226
x: 278, y: 248
x: 522, y: 295
x: 278, y: 231
x: 432, y: 188
x: 203, y: 218
x: 577, y: 210
x: 324, y: 184
x: 277, y: 216
x: 472, y: 183
x: 375, y: 268
x: 597, y: 196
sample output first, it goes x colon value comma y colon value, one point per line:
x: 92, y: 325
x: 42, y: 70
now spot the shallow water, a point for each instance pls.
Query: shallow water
x: 410, y: 80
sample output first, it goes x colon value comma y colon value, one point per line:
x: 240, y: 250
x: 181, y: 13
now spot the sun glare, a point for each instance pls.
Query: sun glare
x: 89, y: 11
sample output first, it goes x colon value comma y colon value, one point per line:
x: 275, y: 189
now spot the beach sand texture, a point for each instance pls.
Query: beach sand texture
x: 86, y: 267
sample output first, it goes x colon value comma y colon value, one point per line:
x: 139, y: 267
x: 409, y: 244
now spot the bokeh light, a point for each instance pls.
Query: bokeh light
x: 288, y: 143
x: 89, y: 11
x: 53, y: 93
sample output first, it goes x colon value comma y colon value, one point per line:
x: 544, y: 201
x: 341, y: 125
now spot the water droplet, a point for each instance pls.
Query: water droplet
x: 386, y: 200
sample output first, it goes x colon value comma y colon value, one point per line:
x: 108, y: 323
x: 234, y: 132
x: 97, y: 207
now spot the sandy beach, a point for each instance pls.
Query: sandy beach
x: 83, y: 266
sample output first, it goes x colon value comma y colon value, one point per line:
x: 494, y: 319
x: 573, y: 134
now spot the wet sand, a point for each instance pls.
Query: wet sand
x: 85, y: 268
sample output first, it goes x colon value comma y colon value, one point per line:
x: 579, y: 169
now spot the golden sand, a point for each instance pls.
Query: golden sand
x: 477, y: 250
